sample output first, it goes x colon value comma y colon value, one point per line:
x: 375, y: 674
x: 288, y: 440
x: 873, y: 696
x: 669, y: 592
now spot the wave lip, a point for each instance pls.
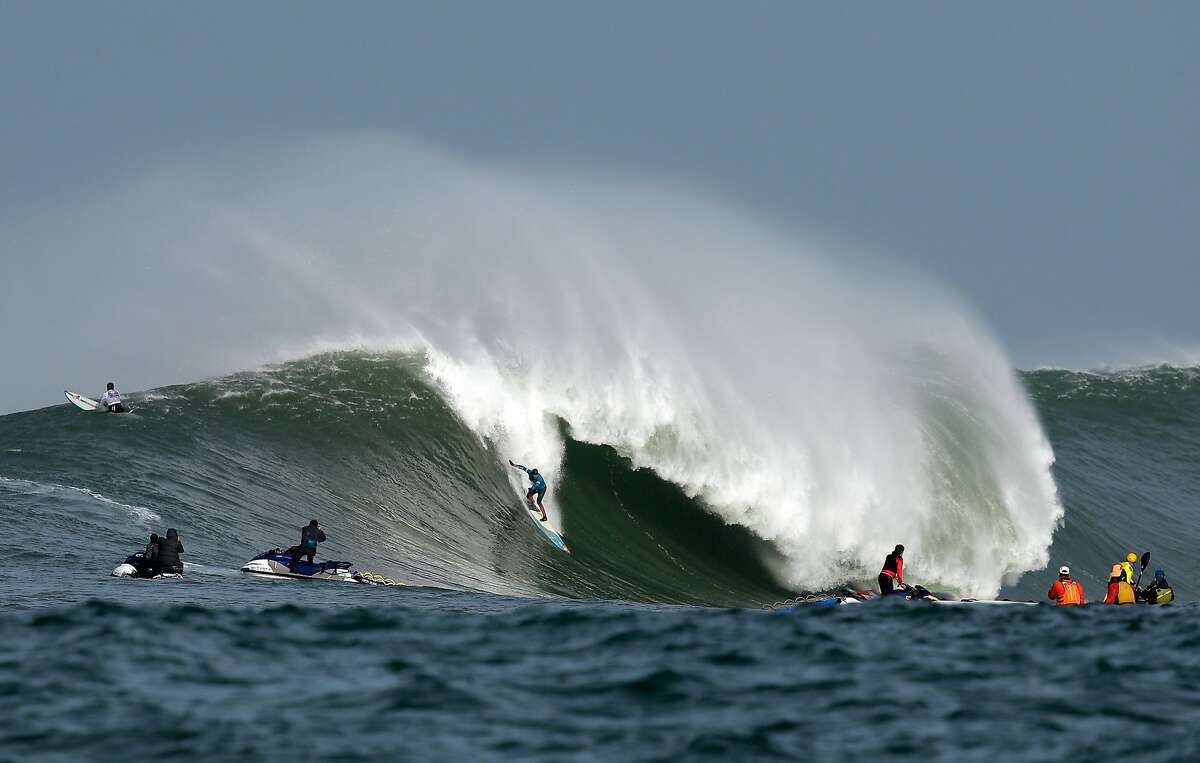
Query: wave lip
x: 829, y: 402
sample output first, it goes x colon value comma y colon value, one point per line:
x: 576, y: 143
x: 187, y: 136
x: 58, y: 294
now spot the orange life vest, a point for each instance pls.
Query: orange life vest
x: 1072, y: 593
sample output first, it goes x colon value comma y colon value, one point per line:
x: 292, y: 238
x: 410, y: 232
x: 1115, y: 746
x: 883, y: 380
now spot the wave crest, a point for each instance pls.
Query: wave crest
x: 832, y: 403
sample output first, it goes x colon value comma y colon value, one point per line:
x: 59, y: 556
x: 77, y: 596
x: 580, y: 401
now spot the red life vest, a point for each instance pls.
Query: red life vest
x: 894, y: 566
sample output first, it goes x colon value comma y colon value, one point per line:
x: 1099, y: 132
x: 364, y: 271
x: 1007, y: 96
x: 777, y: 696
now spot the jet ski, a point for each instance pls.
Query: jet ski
x: 276, y: 564
x: 915, y: 593
x: 832, y: 599
x: 912, y: 593
x: 134, y: 566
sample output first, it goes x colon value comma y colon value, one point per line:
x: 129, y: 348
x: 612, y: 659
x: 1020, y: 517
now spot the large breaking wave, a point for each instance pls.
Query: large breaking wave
x: 828, y: 403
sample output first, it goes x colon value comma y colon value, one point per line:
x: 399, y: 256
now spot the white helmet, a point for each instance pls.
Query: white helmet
x: 1064, y: 570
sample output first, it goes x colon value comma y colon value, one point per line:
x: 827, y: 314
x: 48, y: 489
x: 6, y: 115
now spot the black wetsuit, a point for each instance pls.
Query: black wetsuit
x: 309, y: 538
x: 149, y: 558
x: 169, y: 549
x: 1149, y: 594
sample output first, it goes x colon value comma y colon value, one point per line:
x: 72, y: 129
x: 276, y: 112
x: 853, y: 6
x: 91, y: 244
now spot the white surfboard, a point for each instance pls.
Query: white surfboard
x: 553, y: 534
x: 81, y: 402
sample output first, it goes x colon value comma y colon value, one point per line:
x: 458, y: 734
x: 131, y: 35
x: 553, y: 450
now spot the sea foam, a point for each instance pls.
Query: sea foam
x: 828, y: 400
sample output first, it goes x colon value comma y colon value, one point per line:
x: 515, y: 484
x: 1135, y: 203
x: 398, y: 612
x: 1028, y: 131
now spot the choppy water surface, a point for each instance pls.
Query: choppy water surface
x: 648, y: 642
x: 358, y: 674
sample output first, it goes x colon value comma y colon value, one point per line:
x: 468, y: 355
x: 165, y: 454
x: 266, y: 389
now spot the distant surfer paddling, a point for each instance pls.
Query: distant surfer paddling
x: 537, y: 487
x: 111, y: 400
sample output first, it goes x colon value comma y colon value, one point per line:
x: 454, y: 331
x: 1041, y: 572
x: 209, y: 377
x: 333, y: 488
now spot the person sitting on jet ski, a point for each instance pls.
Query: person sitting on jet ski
x: 169, y: 549
x: 1159, y: 591
x: 310, y: 536
x: 111, y: 400
x: 149, y: 556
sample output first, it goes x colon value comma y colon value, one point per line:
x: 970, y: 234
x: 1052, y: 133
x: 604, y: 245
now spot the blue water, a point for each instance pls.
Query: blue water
x: 355, y: 673
x: 650, y: 641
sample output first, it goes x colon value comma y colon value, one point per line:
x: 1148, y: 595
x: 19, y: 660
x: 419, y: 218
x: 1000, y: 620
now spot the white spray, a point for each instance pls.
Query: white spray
x: 831, y: 404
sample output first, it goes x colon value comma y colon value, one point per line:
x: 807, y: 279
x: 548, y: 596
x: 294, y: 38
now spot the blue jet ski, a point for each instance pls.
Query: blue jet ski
x: 276, y: 563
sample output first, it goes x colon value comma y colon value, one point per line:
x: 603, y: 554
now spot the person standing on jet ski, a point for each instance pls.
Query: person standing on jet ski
x: 111, y: 400
x: 310, y: 536
x: 892, y: 574
x: 537, y: 486
x: 169, y: 549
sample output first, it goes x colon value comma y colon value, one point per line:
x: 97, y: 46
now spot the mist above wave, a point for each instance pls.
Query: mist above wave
x: 831, y: 402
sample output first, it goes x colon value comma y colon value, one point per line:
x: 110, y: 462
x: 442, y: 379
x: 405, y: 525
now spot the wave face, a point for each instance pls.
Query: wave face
x: 827, y: 404
x: 371, y: 444
x: 376, y: 446
x: 368, y: 446
x: 1127, y: 444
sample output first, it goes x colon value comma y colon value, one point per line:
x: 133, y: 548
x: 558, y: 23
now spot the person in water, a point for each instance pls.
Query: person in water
x: 537, y: 486
x: 1065, y: 591
x: 1120, y: 584
x: 169, y: 550
x: 111, y: 400
x: 1159, y: 591
x: 310, y: 536
x: 892, y: 574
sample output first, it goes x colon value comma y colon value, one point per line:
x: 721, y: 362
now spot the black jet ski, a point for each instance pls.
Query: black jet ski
x: 135, y: 566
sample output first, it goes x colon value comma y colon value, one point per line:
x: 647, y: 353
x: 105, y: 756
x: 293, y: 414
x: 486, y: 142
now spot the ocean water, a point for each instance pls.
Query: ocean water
x: 654, y: 639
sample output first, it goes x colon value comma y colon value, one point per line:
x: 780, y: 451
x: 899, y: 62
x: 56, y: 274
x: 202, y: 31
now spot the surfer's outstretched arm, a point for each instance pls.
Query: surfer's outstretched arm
x: 518, y: 466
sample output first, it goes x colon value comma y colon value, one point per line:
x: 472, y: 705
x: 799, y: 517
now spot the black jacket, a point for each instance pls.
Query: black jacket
x: 1150, y: 592
x: 169, y: 549
x: 309, y: 538
x: 151, y: 553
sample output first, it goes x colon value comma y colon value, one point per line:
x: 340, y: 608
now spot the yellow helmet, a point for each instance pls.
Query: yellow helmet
x: 1131, y: 557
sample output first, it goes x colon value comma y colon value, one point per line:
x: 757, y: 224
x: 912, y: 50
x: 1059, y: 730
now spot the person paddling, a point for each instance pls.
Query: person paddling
x: 892, y: 574
x: 1159, y: 591
x: 1065, y: 591
x: 537, y: 486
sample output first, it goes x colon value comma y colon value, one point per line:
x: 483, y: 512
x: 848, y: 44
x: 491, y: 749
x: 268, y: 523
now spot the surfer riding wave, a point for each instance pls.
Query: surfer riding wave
x: 537, y: 487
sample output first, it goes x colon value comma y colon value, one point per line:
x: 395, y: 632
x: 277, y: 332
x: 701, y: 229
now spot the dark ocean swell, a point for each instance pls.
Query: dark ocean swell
x: 428, y: 675
x: 367, y: 444
x: 1127, y: 448
x: 502, y: 647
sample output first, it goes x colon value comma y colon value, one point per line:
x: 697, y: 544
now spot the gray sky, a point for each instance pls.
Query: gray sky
x: 1042, y: 160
